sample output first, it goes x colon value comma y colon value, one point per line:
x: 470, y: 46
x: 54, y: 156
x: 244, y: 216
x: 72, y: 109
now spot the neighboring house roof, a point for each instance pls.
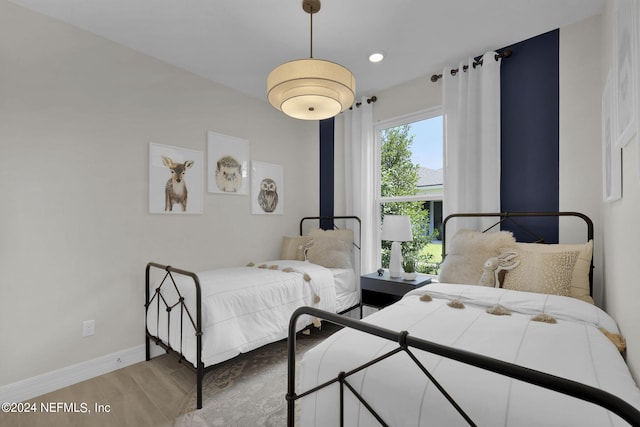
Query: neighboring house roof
x: 429, y: 177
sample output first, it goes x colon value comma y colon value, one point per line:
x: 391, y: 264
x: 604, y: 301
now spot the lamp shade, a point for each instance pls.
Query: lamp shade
x: 397, y: 228
x: 311, y: 89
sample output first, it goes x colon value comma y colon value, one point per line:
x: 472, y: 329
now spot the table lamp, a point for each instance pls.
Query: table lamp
x: 396, y: 228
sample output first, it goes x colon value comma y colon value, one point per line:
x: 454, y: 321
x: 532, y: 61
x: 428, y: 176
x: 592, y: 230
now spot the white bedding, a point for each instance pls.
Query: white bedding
x: 573, y: 348
x: 347, y: 290
x: 245, y: 307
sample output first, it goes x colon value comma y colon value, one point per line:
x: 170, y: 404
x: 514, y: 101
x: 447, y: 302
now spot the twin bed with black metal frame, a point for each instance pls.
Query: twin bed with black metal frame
x: 209, y: 317
x: 462, y: 354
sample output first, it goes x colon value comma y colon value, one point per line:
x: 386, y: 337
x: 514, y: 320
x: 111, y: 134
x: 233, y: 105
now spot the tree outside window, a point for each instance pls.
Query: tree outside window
x: 401, y: 193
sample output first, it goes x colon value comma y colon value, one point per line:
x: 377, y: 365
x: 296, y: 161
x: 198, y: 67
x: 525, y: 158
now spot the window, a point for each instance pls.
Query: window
x: 410, y: 171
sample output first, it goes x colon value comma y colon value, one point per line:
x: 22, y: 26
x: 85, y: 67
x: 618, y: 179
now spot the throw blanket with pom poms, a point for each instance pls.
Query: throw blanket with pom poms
x: 538, y: 307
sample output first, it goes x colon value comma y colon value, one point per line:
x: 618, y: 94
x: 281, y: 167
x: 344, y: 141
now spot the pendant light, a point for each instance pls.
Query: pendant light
x: 311, y: 89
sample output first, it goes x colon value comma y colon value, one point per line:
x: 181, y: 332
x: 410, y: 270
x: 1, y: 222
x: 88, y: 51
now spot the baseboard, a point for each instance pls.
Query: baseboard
x: 55, y: 380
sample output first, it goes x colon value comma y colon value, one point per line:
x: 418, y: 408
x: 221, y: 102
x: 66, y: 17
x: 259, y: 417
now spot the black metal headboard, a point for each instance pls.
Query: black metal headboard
x: 510, y: 220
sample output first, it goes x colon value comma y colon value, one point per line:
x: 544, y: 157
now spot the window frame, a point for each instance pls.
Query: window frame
x: 417, y: 116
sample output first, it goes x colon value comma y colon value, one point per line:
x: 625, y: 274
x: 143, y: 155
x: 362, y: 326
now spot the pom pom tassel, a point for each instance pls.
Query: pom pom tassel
x: 544, y: 317
x: 456, y: 303
x: 619, y: 341
x: 498, y: 310
x: 426, y: 298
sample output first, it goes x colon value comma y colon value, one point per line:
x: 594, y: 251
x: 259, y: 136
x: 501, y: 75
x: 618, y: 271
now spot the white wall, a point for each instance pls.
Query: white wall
x: 580, y: 130
x: 408, y: 98
x: 621, y: 231
x: 76, y: 116
x: 585, y: 59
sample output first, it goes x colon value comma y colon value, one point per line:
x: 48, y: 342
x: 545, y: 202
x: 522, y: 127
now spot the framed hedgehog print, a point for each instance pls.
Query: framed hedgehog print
x: 175, y: 180
x: 228, y: 160
x: 267, y: 189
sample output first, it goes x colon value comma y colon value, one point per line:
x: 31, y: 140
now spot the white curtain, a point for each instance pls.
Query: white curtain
x: 359, y: 176
x: 471, y: 101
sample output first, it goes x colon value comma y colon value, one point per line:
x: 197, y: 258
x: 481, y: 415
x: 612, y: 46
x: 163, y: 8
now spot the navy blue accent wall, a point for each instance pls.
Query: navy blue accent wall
x: 326, y: 169
x: 530, y: 130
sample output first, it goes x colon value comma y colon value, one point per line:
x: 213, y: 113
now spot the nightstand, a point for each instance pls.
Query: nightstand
x: 381, y: 291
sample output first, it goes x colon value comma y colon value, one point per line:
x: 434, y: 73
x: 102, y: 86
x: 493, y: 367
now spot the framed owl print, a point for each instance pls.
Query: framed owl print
x: 267, y: 189
x: 228, y: 161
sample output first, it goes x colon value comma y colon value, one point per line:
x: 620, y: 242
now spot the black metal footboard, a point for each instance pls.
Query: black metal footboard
x: 406, y: 343
x: 179, y: 306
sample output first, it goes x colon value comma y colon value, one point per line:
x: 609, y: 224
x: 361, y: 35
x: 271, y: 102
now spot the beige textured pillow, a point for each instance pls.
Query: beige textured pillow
x: 330, y: 248
x: 294, y: 247
x: 544, y: 269
x: 467, y: 252
x: 579, y: 277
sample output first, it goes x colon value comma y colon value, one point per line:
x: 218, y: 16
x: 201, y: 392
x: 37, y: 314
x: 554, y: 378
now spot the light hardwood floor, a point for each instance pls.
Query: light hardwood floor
x: 143, y: 394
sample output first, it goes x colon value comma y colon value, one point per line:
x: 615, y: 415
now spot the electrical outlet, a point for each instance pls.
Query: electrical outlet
x: 88, y: 328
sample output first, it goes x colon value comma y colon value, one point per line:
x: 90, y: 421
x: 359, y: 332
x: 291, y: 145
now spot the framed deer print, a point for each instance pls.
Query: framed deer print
x: 228, y: 164
x: 175, y: 180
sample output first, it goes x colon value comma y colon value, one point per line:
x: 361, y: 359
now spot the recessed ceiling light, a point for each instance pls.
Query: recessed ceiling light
x: 376, y: 57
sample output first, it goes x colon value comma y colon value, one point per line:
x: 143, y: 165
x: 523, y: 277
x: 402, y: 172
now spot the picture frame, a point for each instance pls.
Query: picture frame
x: 175, y: 180
x: 611, y: 152
x: 625, y: 66
x: 267, y: 189
x: 228, y: 164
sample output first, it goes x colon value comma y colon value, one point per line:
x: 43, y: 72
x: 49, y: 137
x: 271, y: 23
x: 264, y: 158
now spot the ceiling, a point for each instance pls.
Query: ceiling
x: 237, y: 43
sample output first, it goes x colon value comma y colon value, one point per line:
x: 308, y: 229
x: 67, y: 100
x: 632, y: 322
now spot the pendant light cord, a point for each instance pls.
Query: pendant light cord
x: 311, y: 35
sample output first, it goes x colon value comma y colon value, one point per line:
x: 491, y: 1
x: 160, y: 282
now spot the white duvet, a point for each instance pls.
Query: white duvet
x: 243, y: 308
x: 572, y: 348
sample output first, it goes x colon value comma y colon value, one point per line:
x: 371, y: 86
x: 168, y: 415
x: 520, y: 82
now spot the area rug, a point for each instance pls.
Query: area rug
x: 249, y: 390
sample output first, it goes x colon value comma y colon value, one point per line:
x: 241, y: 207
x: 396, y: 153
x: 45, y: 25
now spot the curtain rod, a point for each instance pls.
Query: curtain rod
x: 369, y: 101
x: 504, y: 54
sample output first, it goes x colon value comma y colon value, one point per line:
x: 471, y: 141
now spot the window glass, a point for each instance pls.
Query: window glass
x: 410, y: 171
